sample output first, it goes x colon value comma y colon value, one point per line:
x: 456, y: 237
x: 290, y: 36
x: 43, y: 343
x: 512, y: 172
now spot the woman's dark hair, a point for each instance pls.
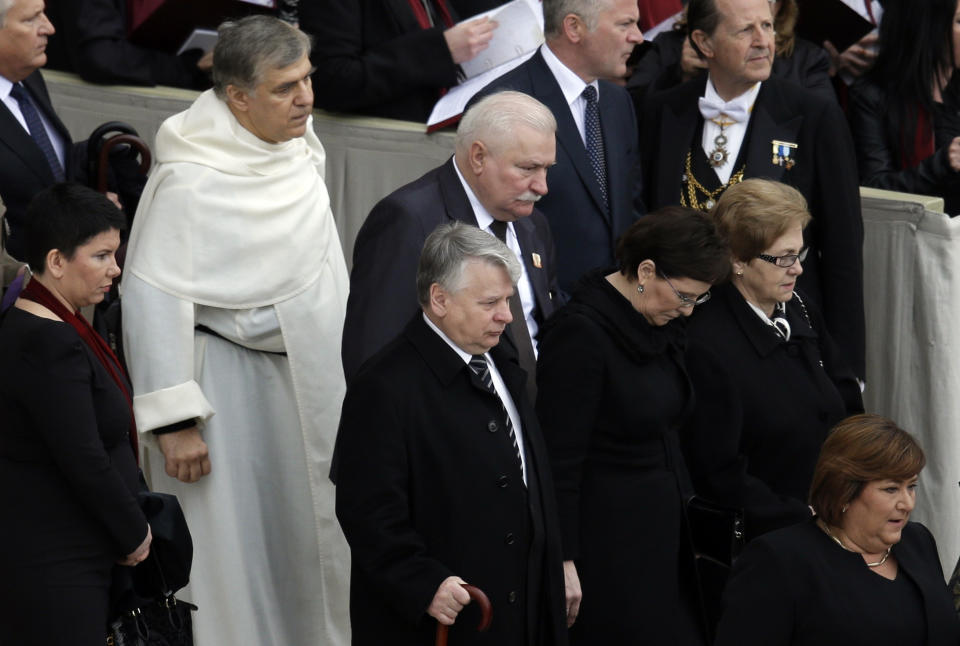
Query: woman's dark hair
x: 64, y: 217
x: 858, y: 450
x: 682, y: 242
x: 916, y: 52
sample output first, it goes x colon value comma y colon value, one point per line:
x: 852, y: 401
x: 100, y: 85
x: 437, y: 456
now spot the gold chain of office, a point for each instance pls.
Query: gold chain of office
x: 693, y: 187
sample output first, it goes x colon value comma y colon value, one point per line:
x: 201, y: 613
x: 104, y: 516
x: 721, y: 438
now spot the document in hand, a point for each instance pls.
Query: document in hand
x: 518, y: 34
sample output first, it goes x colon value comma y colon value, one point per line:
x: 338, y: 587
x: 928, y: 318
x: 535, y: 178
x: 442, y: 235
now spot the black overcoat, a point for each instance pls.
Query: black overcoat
x: 428, y: 487
x: 764, y: 407
x: 612, y: 393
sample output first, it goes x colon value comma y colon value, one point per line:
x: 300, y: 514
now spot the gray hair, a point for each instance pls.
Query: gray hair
x: 555, y: 10
x: 246, y: 48
x: 5, y: 6
x: 494, y: 118
x: 450, y: 247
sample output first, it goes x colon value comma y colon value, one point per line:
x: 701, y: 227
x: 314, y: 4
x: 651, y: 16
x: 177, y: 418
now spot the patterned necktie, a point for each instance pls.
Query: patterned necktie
x: 518, y: 327
x: 37, y: 132
x: 591, y: 124
x: 479, y: 365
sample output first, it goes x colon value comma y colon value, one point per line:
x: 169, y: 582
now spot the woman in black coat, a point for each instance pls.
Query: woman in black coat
x: 68, y: 476
x: 905, y: 114
x: 612, y: 391
x: 859, y: 573
x: 769, y: 380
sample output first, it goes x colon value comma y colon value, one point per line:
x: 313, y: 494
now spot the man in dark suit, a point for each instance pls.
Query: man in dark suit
x: 441, y: 472
x: 30, y: 159
x: 595, y: 186
x: 504, y: 146
x: 707, y: 134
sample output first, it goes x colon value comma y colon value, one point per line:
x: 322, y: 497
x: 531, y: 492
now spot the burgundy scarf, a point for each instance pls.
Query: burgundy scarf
x: 923, y: 144
x: 37, y: 293
x: 421, y: 13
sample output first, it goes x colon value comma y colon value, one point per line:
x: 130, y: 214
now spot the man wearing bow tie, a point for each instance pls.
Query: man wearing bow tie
x: 505, y: 145
x: 708, y: 134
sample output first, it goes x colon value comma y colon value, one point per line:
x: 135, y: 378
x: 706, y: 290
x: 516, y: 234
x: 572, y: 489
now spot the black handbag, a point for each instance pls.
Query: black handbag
x: 717, y: 538
x: 163, y: 622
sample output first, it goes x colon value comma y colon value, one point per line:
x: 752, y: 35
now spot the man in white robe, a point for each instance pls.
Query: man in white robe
x: 233, y: 306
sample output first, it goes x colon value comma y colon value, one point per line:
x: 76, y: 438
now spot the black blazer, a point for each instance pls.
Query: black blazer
x: 67, y: 472
x: 825, y: 173
x: 764, y: 407
x: 796, y: 587
x: 24, y: 171
x: 881, y: 164
x: 428, y: 487
x: 372, y: 57
x: 586, y: 234
x: 383, y: 294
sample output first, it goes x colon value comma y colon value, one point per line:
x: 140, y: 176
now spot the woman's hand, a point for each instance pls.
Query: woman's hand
x: 953, y: 152
x: 139, y: 554
x: 571, y: 583
x: 186, y: 454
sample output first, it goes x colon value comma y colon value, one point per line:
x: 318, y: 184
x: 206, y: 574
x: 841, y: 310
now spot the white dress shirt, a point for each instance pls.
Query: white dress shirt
x: 735, y: 133
x: 524, y: 287
x: 14, y: 106
x: 572, y: 87
x: 498, y: 385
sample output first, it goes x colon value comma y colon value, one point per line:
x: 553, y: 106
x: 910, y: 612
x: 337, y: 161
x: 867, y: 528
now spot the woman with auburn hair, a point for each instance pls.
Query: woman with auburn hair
x: 769, y: 380
x: 859, y: 572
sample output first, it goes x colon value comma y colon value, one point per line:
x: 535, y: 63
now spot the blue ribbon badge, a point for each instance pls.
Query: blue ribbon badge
x: 782, y: 151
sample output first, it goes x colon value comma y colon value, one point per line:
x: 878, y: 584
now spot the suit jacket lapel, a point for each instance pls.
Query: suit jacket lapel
x: 529, y: 245
x: 769, y: 122
x: 547, y: 91
x: 14, y: 137
x: 455, y: 200
x: 676, y: 137
x: 38, y: 90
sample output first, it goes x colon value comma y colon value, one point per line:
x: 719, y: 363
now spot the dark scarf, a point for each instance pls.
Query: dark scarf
x: 36, y: 292
x: 424, y: 20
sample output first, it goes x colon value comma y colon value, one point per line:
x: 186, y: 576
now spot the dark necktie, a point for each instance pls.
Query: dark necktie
x: 518, y: 327
x: 37, y: 131
x: 479, y: 365
x: 591, y: 125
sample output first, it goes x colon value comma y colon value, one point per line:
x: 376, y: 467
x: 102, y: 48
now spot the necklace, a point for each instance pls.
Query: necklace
x: 836, y: 540
x: 719, y: 155
x: 693, y: 186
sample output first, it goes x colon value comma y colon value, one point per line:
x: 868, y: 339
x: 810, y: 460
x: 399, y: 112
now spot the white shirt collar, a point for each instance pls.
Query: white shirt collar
x: 6, y: 86
x: 479, y: 211
x: 466, y: 356
x: 571, y: 85
x: 747, y: 99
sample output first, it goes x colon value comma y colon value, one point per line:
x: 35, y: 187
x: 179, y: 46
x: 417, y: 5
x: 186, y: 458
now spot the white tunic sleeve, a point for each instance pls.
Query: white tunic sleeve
x: 159, y: 343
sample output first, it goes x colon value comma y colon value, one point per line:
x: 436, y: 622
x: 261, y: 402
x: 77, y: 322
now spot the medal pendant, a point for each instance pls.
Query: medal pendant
x: 718, y: 157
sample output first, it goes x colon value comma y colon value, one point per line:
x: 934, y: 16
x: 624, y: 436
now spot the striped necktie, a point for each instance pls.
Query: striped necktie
x: 37, y: 132
x: 479, y: 365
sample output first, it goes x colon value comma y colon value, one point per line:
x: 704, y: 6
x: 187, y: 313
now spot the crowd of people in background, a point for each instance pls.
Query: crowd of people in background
x: 636, y: 282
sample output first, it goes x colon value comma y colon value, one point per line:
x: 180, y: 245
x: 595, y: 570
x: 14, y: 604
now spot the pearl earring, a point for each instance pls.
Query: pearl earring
x: 639, y: 289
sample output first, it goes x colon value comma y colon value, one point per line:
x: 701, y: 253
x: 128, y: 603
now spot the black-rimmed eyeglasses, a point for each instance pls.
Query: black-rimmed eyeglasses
x: 785, y: 260
x: 687, y: 301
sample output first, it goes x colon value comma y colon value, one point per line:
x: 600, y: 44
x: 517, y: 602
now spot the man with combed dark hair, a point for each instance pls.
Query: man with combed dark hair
x: 595, y: 186
x: 233, y: 309
x: 441, y: 471
x: 710, y: 133
x: 505, y: 147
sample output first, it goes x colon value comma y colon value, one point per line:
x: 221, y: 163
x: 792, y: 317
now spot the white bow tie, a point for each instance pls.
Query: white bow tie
x: 734, y: 110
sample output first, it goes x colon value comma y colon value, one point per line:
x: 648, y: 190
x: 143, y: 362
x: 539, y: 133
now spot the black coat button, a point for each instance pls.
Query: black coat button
x: 512, y: 597
x: 492, y: 426
x: 509, y: 539
x: 503, y: 481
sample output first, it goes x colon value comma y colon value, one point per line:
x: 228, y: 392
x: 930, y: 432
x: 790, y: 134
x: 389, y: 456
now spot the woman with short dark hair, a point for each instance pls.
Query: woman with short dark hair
x: 858, y: 573
x: 769, y: 380
x: 612, y: 391
x: 68, y: 470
